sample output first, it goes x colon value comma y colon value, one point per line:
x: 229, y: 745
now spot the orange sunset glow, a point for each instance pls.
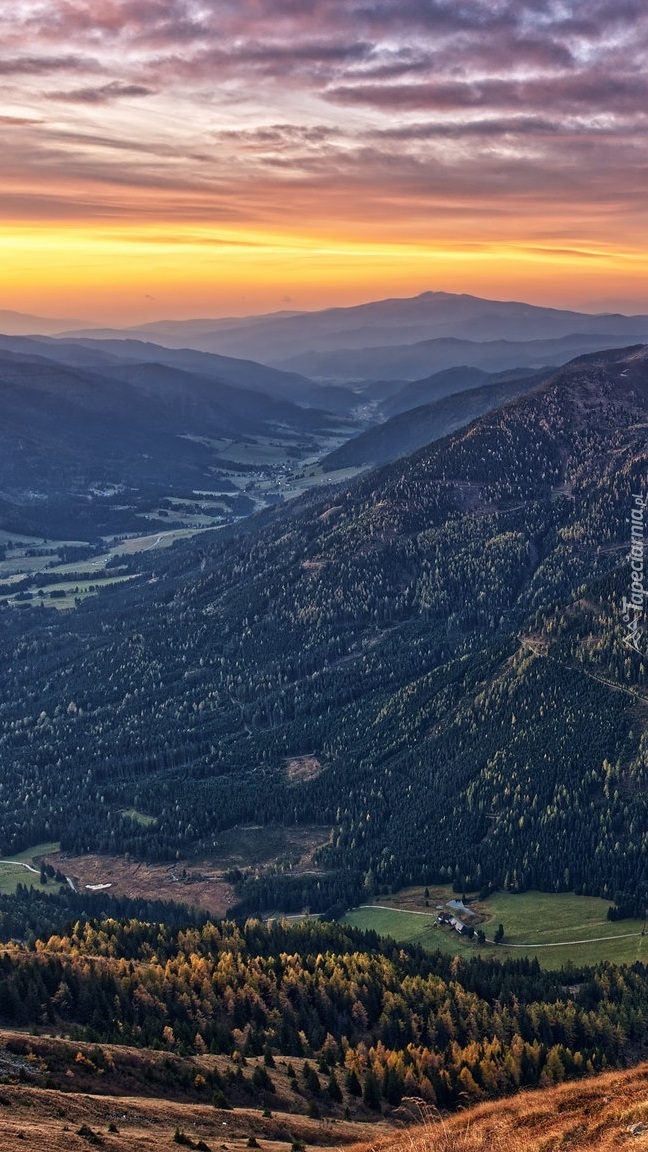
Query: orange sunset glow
x: 172, y: 157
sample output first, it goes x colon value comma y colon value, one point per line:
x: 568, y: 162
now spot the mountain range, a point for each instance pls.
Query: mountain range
x: 410, y: 361
x: 397, y: 320
x: 92, y: 442
x: 442, y: 641
x: 111, y: 354
x: 82, y: 414
x: 24, y: 324
x: 404, y: 337
x: 434, y: 674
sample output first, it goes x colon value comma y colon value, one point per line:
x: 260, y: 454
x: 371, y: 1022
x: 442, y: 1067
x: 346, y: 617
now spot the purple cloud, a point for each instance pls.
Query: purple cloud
x: 102, y: 94
x: 269, y: 106
x: 42, y: 65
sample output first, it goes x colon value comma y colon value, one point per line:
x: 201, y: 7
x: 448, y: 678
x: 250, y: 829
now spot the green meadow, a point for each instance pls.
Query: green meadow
x: 556, y: 928
x: 23, y: 868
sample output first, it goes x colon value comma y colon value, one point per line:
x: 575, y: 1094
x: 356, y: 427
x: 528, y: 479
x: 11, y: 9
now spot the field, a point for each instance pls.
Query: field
x: 139, y: 817
x: 66, y: 594
x: 196, y: 884
x: 248, y: 475
x: 556, y: 928
x: 68, y: 583
x: 24, y: 868
x: 200, y: 882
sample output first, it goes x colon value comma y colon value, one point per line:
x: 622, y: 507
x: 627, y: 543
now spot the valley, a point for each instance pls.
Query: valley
x: 338, y: 627
x: 266, y: 473
x: 556, y: 929
x: 323, y: 592
x: 95, y: 449
x: 275, y: 698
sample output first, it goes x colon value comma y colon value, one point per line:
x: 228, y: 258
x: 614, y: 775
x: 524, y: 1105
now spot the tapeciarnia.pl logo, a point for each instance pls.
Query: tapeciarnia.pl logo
x: 633, y: 606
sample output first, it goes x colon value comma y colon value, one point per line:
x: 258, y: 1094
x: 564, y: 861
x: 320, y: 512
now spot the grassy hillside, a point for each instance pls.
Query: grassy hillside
x: 607, y: 1114
x: 64, y: 1096
x: 601, y: 1115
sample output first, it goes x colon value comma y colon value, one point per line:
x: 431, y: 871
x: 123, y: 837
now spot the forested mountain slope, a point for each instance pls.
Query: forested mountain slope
x: 89, y: 449
x: 116, y: 1032
x: 60, y: 424
x: 444, y: 639
x: 103, y: 355
x: 413, y: 428
x: 382, y: 1021
x: 413, y: 361
x: 451, y: 382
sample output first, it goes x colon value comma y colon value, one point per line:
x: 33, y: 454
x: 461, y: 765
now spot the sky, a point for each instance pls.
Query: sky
x: 177, y: 158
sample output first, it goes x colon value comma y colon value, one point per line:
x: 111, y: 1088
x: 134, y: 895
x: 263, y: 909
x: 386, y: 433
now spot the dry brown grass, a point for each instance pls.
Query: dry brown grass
x: 300, y: 769
x: 201, y: 882
x: 42, y: 1120
x: 185, y: 883
x: 603, y: 1114
x: 67, y: 1084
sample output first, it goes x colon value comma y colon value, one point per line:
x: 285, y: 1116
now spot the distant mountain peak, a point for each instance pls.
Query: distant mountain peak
x: 405, y: 338
x: 23, y: 324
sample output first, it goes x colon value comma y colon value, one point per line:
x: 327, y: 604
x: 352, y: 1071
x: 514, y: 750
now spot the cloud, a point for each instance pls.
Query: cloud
x: 150, y: 20
x: 573, y: 253
x: 564, y: 94
x: 490, y: 127
x: 357, y: 110
x: 102, y: 94
x: 19, y: 121
x: 43, y: 65
x: 330, y: 46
